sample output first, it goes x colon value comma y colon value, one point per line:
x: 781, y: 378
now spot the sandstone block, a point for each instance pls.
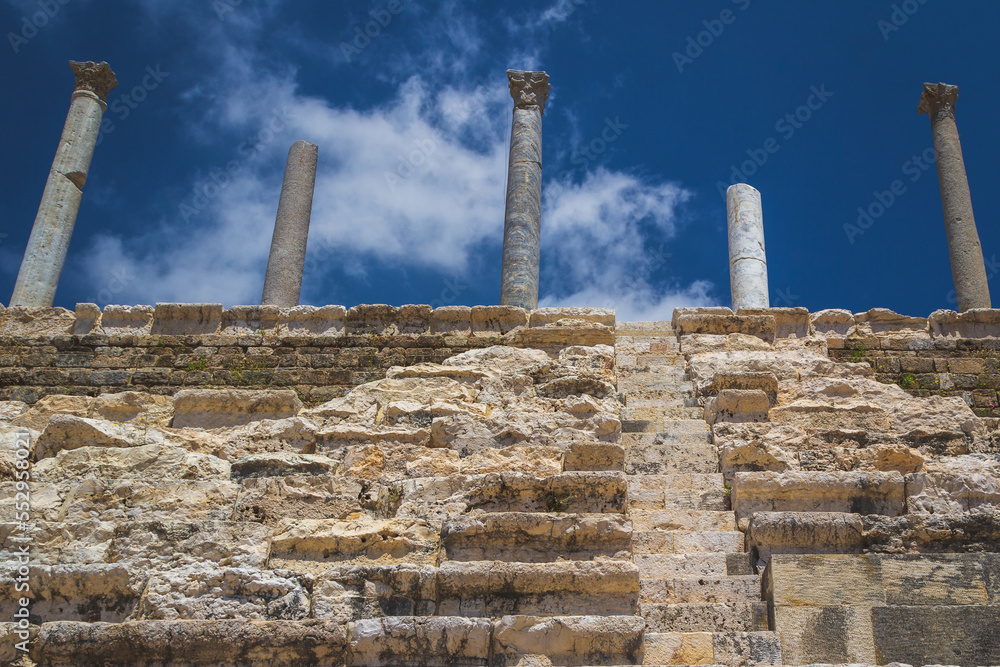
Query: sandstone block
x: 542, y: 316
x: 126, y: 320
x: 247, y: 320
x: 492, y: 320
x: 853, y: 492
x: 433, y: 641
x: 737, y: 405
x: 455, y: 320
x: 26, y: 321
x: 569, y: 639
x: 219, y: 408
x: 804, y: 532
x: 788, y: 322
x: 312, y: 320
x: 760, y: 326
x: 946, y: 493
x: 182, y: 319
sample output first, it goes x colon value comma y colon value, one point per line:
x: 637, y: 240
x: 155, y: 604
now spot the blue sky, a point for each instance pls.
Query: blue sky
x: 653, y: 105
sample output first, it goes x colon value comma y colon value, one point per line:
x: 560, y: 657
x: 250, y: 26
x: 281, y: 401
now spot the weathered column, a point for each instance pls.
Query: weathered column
x: 523, y: 217
x: 49, y: 241
x: 747, y: 260
x: 967, y: 268
x: 283, y: 281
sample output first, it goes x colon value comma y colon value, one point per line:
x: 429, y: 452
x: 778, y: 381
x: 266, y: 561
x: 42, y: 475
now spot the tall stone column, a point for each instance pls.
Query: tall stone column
x: 49, y: 241
x: 283, y: 282
x: 747, y: 260
x: 967, y: 269
x: 523, y: 217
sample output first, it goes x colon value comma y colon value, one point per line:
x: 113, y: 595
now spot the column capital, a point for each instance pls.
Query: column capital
x: 94, y: 77
x: 938, y: 99
x: 529, y: 88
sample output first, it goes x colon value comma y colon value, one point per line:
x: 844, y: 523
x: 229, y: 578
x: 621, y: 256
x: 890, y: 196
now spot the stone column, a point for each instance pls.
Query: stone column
x: 967, y: 268
x: 283, y: 281
x: 523, y: 217
x: 747, y: 260
x: 49, y: 241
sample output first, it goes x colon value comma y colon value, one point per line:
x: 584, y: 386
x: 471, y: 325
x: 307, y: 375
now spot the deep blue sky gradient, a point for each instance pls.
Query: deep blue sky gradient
x: 606, y: 61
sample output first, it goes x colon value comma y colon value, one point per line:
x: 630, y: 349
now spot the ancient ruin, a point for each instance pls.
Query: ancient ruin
x: 498, y: 485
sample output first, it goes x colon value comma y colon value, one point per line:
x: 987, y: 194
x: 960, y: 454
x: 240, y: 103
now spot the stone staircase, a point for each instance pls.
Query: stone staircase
x: 698, y: 592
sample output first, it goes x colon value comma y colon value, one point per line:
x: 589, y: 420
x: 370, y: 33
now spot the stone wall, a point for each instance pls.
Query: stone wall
x: 318, y: 352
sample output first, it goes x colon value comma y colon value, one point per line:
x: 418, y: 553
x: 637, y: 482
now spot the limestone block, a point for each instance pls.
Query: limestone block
x: 493, y: 320
x: 149, y: 462
x: 936, y: 579
x: 186, y: 642
x: 799, y: 491
x: 973, y: 323
x: 794, y: 364
x: 161, y: 546
x: 219, y: 408
x: 183, y: 319
x: 931, y: 634
x: 594, y: 456
x: 84, y: 592
x: 494, y: 588
x: 502, y: 359
x: 977, y: 530
x: 535, y: 537
x: 566, y: 492
x: 46, y: 501
x: 827, y: 634
x: 804, y: 533
x: 753, y: 456
x: 312, y: 320
x: 126, y: 320
x: 362, y: 540
x: 565, y: 333
x: 281, y: 464
x: 273, y: 500
x: 882, y: 320
x: 788, y: 322
x: 454, y: 320
x: 66, y: 432
x: 761, y: 326
x: 88, y: 317
x: 569, y: 639
x: 944, y: 493
x: 762, y: 380
x: 747, y: 649
x: 371, y: 319
x: 130, y: 405
x: 364, y: 401
x: 116, y: 500
x: 698, y: 310
x: 737, y: 405
x: 26, y: 321
x: 56, y: 543
x: 11, y: 410
x: 214, y: 593
x: 414, y: 319
x: 436, y: 641
x: 679, y: 648
x: 247, y: 320
x: 354, y: 592
x: 542, y: 316
x: 832, y: 323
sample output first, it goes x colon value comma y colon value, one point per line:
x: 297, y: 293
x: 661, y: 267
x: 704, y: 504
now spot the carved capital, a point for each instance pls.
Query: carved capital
x: 94, y: 77
x: 529, y: 88
x: 938, y: 99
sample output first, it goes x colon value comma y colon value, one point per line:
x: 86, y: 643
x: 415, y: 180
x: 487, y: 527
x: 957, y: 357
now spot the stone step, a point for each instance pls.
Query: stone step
x: 419, y: 640
x: 686, y: 541
x: 700, y: 617
x: 728, y: 589
x: 536, y: 537
x: 594, y: 457
x: 669, y: 458
x: 673, y: 566
x: 568, y: 640
x: 682, y: 519
x: 644, y: 330
x: 736, y: 649
x: 495, y: 588
x: 569, y: 492
x: 701, y: 491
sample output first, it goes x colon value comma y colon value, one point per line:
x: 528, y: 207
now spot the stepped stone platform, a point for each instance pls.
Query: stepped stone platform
x: 191, y: 485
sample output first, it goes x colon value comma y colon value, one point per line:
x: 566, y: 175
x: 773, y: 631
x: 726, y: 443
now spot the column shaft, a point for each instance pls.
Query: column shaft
x: 968, y: 270
x: 747, y: 259
x: 48, y: 244
x: 283, y: 282
x: 523, y: 215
